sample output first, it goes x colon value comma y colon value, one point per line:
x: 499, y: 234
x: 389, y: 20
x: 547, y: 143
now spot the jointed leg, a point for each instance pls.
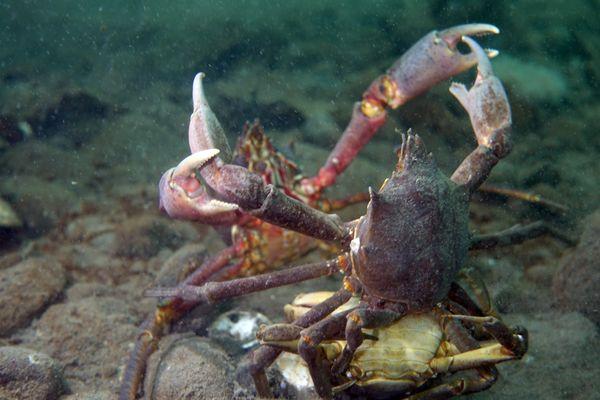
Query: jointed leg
x: 308, y: 348
x: 514, y: 341
x: 517, y: 234
x: 215, y: 291
x: 486, y: 377
x: 265, y: 355
x: 169, y: 310
x: 525, y: 196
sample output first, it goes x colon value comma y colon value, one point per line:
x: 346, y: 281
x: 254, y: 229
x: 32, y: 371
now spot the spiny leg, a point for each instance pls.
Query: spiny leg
x: 518, y: 234
x: 168, y: 311
x: 533, y: 198
x: 486, y: 377
x: 264, y: 356
x: 308, y: 348
x: 212, y: 292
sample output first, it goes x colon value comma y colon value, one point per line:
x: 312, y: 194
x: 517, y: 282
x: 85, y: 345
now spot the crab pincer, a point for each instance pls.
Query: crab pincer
x: 486, y: 103
x: 433, y: 59
x: 181, y: 192
x: 489, y: 111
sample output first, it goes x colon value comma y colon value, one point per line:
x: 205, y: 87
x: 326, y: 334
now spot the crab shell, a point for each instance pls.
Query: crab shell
x: 414, y: 237
x: 398, y: 362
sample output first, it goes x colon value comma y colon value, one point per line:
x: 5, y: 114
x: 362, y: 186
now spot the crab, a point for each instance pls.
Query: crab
x: 417, y: 356
x: 265, y: 210
x: 198, y: 192
x: 402, y: 256
x: 253, y: 245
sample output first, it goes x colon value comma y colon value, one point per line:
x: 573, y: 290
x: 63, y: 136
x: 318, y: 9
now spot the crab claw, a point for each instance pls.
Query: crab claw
x: 205, y: 131
x: 431, y: 60
x: 182, y: 196
x: 487, y: 104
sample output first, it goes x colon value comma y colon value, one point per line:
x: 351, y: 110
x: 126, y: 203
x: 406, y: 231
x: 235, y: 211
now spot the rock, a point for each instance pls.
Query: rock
x: 40, y: 204
x: 26, y: 289
x: 87, y: 263
x: 189, y: 367
x: 87, y: 227
x: 8, y: 217
x: 577, y: 281
x: 27, y: 374
x: 144, y: 236
x: 90, y: 337
x: 181, y: 263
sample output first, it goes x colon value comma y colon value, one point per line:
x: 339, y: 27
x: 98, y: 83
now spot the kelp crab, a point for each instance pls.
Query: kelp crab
x: 400, y: 258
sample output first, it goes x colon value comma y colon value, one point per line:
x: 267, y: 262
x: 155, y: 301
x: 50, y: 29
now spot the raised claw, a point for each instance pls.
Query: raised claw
x: 487, y: 104
x: 205, y: 131
x: 431, y: 60
x: 181, y: 195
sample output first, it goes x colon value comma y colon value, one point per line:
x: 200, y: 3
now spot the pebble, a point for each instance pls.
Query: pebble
x: 189, y: 367
x: 577, y: 281
x: 26, y: 289
x: 27, y: 374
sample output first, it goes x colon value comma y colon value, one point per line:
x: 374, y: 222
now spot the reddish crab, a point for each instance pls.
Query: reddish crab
x: 258, y: 200
x: 403, y: 255
x: 254, y: 245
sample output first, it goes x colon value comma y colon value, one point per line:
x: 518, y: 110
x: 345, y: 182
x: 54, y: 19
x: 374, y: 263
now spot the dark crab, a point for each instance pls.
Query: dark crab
x: 452, y: 348
x: 400, y: 258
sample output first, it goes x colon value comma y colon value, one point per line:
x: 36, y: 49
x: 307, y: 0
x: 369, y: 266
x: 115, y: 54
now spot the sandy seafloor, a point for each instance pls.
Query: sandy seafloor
x: 94, y: 106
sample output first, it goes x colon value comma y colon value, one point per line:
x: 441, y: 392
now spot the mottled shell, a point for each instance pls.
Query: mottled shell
x: 399, y: 359
x: 414, y: 237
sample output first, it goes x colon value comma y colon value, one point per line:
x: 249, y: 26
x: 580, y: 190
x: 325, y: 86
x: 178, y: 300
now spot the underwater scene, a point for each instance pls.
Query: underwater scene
x: 299, y: 199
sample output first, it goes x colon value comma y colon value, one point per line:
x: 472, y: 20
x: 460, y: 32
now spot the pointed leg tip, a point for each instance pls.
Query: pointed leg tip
x: 198, y: 90
x: 454, y: 34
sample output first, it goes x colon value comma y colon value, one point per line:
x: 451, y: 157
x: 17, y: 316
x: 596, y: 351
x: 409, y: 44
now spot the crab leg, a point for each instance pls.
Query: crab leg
x: 518, y: 234
x: 155, y: 326
x: 212, y: 292
x: 487, y: 377
x: 431, y: 60
x: 264, y: 356
x: 525, y: 196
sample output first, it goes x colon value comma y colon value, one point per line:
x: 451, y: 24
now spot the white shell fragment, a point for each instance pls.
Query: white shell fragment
x: 238, y: 328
